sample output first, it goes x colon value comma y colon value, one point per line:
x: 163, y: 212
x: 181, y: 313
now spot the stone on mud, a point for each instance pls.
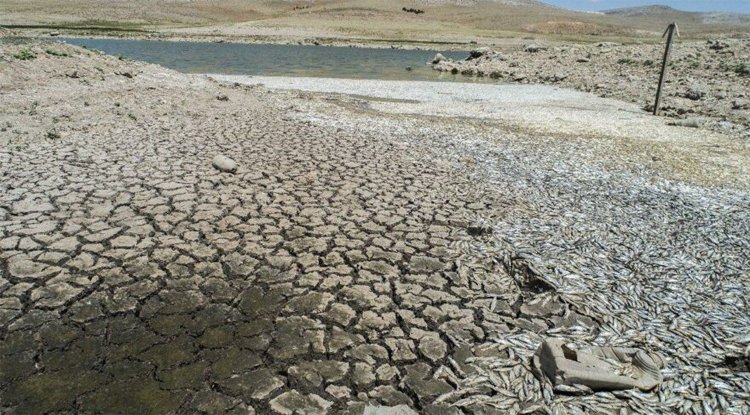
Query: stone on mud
x: 224, y: 164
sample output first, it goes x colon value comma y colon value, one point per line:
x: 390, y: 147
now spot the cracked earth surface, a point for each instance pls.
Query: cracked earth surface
x: 319, y: 272
x: 328, y: 272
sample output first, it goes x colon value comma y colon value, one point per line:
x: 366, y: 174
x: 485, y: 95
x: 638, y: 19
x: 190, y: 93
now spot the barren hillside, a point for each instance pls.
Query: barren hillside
x: 361, y: 18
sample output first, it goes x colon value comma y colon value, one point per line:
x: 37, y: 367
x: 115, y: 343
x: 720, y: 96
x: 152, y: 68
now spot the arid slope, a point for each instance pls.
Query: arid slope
x: 355, y: 18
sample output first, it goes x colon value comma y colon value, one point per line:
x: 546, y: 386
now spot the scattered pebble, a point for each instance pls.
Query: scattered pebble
x: 224, y: 164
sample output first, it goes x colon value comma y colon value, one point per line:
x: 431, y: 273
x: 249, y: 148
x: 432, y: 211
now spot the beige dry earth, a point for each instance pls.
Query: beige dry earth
x: 707, y: 82
x: 372, y: 22
x: 360, y: 254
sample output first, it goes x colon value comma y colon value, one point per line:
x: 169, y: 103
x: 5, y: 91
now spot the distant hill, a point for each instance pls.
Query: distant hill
x: 450, y: 20
x: 647, y: 11
x: 666, y: 13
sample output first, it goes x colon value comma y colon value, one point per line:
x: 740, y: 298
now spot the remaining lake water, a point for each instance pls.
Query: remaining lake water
x: 280, y: 60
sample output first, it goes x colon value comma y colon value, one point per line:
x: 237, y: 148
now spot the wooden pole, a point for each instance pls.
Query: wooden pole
x: 671, y: 29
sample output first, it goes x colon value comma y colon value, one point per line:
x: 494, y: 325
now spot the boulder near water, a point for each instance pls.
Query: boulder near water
x: 479, y: 52
x: 438, y: 58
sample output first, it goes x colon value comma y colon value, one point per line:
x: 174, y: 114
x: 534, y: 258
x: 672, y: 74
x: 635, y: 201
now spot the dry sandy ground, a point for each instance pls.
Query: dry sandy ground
x: 396, y: 250
x: 707, y: 84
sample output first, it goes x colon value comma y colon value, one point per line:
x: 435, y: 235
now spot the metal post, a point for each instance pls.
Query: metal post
x: 671, y: 30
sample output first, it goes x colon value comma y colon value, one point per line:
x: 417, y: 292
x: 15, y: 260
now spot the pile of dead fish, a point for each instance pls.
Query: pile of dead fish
x: 662, y: 267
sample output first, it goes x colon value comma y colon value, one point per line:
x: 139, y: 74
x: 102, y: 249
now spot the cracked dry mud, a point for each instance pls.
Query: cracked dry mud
x: 136, y: 278
x: 333, y: 269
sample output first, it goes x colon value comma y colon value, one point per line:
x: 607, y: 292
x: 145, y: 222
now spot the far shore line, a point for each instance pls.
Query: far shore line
x: 322, y: 39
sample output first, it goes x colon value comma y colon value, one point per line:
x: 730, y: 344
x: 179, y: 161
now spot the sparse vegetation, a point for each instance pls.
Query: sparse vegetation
x: 25, y: 55
x: 410, y: 10
x: 56, y: 53
x: 626, y: 61
x: 93, y: 50
x: 742, y: 69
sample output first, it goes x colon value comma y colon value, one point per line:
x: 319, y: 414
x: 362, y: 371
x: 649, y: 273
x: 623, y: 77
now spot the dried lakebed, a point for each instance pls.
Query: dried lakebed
x: 393, y: 250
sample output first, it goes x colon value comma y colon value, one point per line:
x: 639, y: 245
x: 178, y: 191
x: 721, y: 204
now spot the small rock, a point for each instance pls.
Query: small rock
x: 717, y: 45
x: 478, y: 53
x: 534, y: 48
x: 692, y: 122
x: 222, y: 97
x: 556, y: 77
x: 224, y: 164
x: 408, y: 68
x: 695, y: 92
x: 740, y: 104
x: 726, y: 125
x: 438, y: 58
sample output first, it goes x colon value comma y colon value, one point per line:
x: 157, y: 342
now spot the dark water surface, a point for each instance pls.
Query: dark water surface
x: 279, y: 60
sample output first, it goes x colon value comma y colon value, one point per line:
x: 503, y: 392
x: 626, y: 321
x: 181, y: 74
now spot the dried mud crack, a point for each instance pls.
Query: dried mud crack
x: 355, y: 257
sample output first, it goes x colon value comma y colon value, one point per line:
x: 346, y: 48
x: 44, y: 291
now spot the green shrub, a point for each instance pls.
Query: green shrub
x: 25, y: 55
x: 56, y: 53
x: 742, y: 69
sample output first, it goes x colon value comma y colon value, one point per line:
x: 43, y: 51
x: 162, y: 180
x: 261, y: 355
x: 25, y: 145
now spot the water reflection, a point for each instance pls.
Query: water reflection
x: 280, y: 60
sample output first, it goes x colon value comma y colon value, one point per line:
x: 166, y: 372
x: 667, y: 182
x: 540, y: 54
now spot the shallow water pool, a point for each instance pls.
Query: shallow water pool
x: 281, y: 60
